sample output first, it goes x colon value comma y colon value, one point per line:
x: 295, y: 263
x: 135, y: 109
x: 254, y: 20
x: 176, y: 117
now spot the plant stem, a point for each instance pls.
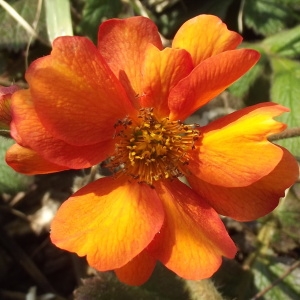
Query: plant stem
x: 288, y: 133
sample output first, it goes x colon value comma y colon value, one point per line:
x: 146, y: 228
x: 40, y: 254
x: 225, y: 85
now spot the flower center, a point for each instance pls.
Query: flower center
x: 153, y: 149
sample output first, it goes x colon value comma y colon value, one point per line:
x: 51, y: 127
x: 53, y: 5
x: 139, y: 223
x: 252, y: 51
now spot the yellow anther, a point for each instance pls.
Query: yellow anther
x: 160, y: 148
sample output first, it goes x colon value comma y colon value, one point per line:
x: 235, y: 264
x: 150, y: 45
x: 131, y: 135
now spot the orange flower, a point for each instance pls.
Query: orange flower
x: 5, y: 101
x: 123, y: 102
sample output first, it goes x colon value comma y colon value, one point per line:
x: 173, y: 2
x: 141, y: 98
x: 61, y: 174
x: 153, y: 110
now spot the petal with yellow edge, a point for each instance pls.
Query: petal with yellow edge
x: 76, y: 96
x: 193, y: 238
x: 138, y: 270
x: 110, y: 221
x: 27, y: 161
x: 28, y: 131
x: 205, y: 36
x: 162, y: 71
x: 234, y: 151
x: 253, y: 201
x: 123, y: 45
x: 209, y: 79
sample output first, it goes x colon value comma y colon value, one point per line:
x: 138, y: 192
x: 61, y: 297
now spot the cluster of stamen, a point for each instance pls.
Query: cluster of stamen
x: 152, y: 150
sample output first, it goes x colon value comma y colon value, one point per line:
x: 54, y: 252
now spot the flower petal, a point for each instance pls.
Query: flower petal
x: 111, y: 221
x: 28, y: 131
x: 27, y: 161
x: 253, y: 201
x: 208, y: 79
x: 5, y: 103
x: 138, y: 270
x: 193, y: 238
x: 162, y: 71
x: 205, y: 36
x: 123, y: 44
x: 234, y: 150
x: 75, y: 94
x: 8, y: 90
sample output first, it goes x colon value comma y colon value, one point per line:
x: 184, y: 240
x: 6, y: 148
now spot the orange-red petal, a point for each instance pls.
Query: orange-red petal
x: 162, y: 70
x: 234, y: 151
x: 110, y: 221
x: 123, y: 45
x: 193, y: 238
x: 27, y: 161
x: 138, y: 270
x: 205, y: 36
x: 28, y: 131
x: 253, y: 201
x: 5, y: 103
x: 76, y: 96
x: 208, y: 79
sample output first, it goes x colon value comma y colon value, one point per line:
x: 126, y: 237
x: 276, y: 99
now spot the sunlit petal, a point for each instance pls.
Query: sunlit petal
x: 123, y: 45
x: 76, y: 96
x: 110, y: 221
x: 253, y: 201
x: 162, y: 71
x: 193, y: 238
x: 28, y: 131
x: 209, y: 79
x: 204, y: 36
x: 234, y: 150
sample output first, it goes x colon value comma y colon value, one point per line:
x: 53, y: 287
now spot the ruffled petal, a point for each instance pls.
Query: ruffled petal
x: 205, y: 36
x: 193, y: 237
x: 123, y: 44
x: 28, y: 131
x: 208, y: 79
x: 27, y: 161
x: 234, y: 151
x: 138, y: 270
x: 253, y: 201
x: 162, y: 70
x: 110, y: 221
x: 77, y: 97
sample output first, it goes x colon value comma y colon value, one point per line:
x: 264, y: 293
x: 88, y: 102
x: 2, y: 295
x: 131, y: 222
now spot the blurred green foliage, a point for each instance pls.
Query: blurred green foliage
x: 10, y: 181
x: 270, y: 26
x: 13, y: 36
x: 96, y: 11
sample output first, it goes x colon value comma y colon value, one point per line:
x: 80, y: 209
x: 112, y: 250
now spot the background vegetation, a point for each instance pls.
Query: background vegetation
x: 267, y: 265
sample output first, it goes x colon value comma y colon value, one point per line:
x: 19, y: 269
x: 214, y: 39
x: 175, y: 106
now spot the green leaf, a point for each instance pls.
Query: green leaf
x: 58, y: 18
x: 267, y: 17
x: 285, y: 90
x: 288, y: 213
x: 10, y: 181
x: 286, y: 43
x: 170, y: 15
x: 95, y: 12
x: 215, y: 7
x: 203, y: 289
x: 13, y: 35
x: 267, y: 269
x: 241, y: 87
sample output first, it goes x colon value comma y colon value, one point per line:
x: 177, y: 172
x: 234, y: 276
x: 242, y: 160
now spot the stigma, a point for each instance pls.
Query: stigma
x: 152, y: 149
